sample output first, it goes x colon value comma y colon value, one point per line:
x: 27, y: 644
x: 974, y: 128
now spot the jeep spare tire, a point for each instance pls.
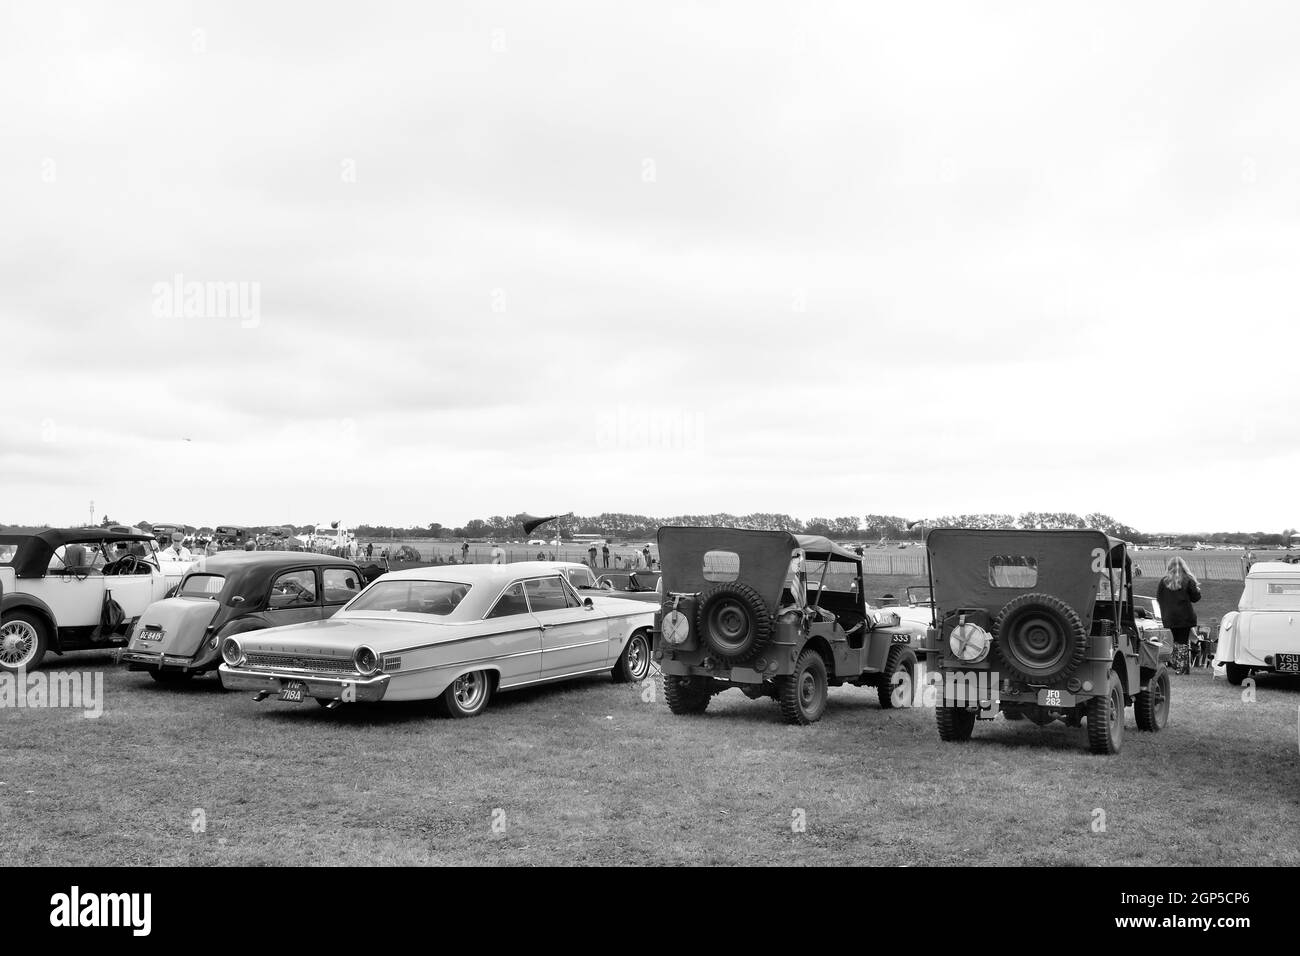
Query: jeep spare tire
x: 1039, y: 638
x: 734, y: 622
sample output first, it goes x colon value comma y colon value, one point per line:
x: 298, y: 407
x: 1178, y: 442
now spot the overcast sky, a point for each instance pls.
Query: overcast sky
x: 821, y: 259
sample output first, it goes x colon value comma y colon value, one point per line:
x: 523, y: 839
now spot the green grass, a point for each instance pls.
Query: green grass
x: 588, y: 772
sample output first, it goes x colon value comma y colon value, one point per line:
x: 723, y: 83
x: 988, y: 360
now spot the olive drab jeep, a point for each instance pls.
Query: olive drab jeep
x: 776, y: 615
x: 1039, y: 625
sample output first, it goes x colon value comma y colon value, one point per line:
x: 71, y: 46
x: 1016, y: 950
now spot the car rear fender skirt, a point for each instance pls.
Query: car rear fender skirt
x: 14, y: 601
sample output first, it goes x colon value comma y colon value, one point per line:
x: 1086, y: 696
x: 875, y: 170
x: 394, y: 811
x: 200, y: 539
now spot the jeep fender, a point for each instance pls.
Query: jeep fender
x: 822, y: 647
x: 1121, y: 667
x: 17, y: 600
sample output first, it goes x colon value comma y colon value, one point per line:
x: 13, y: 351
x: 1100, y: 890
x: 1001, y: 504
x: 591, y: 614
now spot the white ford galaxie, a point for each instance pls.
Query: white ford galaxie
x: 455, y: 634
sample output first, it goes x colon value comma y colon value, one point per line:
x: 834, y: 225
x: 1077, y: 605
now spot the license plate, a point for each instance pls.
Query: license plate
x: 1055, y: 698
x: 292, y: 692
x: 151, y: 635
x: 1290, y: 663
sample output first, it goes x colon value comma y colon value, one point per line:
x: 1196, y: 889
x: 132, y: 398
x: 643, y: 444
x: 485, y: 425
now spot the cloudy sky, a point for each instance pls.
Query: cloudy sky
x: 821, y: 259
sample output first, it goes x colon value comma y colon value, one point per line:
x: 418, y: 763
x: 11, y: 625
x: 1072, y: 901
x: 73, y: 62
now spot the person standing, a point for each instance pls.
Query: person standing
x: 177, y: 551
x: 1177, y: 592
x: 498, y: 556
x: 604, y: 554
x: 649, y: 559
x: 370, y: 550
x: 464, y: 552
x: 591, y: 554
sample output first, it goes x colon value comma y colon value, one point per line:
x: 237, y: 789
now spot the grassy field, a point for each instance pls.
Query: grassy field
x: 593, y: 772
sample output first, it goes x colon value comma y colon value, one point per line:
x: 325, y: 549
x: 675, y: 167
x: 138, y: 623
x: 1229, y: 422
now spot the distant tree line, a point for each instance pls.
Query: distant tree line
x: 870, y: 527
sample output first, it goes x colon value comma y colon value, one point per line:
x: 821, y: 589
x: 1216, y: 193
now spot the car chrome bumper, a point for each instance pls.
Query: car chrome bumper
x: 314, y: 685
x: 149, y: 661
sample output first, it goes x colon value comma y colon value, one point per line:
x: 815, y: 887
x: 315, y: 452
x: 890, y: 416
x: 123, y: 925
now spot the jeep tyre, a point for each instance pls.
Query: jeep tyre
x: 1151, y: 708
x: 802, y: 695
x: 901, y: 660
x: 24, y: 638
x: 1039, y: 638
x: 734, y: 623
x: 955, y: 723
x: 1106, y: 718
x: 687, y: 695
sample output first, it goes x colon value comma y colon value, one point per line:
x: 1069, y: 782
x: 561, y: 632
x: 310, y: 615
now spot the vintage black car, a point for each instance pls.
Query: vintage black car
x: 1039, y: 625
x: 68, y: 589
x: 232, y: 593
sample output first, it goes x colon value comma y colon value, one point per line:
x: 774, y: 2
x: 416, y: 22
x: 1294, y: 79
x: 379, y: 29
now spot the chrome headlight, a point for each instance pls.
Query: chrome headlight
x: 231, y: 652
x: 366, y: 661
x: 970, y: 643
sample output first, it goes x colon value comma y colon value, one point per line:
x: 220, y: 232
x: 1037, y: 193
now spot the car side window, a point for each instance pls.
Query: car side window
x: 340, y: 585
x: 293, y: 589
x: 546, y: 594
x: 571, y: 596
x: 582, y: 578
x: 510, y: 603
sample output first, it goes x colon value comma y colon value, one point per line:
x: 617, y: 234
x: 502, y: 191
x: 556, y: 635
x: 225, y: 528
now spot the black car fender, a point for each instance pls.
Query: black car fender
x: 18, y: 600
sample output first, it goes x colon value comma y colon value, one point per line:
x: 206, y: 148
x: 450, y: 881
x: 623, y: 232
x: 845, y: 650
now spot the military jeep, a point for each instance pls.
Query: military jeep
x: 776, y: 615
x: 1039, y: 625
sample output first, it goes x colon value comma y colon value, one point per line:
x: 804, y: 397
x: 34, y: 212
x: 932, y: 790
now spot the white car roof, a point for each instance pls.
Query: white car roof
x: 1274, y: 569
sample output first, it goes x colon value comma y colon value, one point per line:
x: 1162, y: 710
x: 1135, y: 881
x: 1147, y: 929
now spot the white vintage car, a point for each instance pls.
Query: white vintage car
x: 1263, y: 634
x: 69, y: 589
x: 455, y: 634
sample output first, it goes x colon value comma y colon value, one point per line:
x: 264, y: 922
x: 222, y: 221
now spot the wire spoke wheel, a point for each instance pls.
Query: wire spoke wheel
x: 19, y: 641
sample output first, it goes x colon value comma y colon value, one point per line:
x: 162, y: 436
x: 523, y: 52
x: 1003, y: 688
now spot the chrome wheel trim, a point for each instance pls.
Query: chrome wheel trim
x: 18, y: 643
x: 469, y: 690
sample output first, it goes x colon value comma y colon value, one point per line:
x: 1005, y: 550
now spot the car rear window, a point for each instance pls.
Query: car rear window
x: 438, y: 598
x: 721, y: 566
x: 1013, y: 571
x: 202, y: 585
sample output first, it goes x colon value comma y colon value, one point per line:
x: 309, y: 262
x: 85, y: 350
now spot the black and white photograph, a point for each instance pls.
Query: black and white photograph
x: 708, y: 435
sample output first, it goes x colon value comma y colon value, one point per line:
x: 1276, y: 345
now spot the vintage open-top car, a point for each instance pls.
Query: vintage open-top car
x: 455, y: 634
x: 638, y: 585
x: 1039, y: 625
x: 1263, y: 634
x: 236, y: 592
x: 582, y: 577
x: 73, y: 589
x: 776, y: 615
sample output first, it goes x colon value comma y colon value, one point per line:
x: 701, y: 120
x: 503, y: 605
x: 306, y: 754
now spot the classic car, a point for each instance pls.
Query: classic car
x: 73, y: 589
x: 1040, y: 626
x: 1146, y: 613
x: 638, y: 585
x: 917, y: 606
x: 582, y: 577
x: 1263, y: 634
x: 229, y: 537
x: 236, y: 592
x: 775, y: 615
x: 454, y: 634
